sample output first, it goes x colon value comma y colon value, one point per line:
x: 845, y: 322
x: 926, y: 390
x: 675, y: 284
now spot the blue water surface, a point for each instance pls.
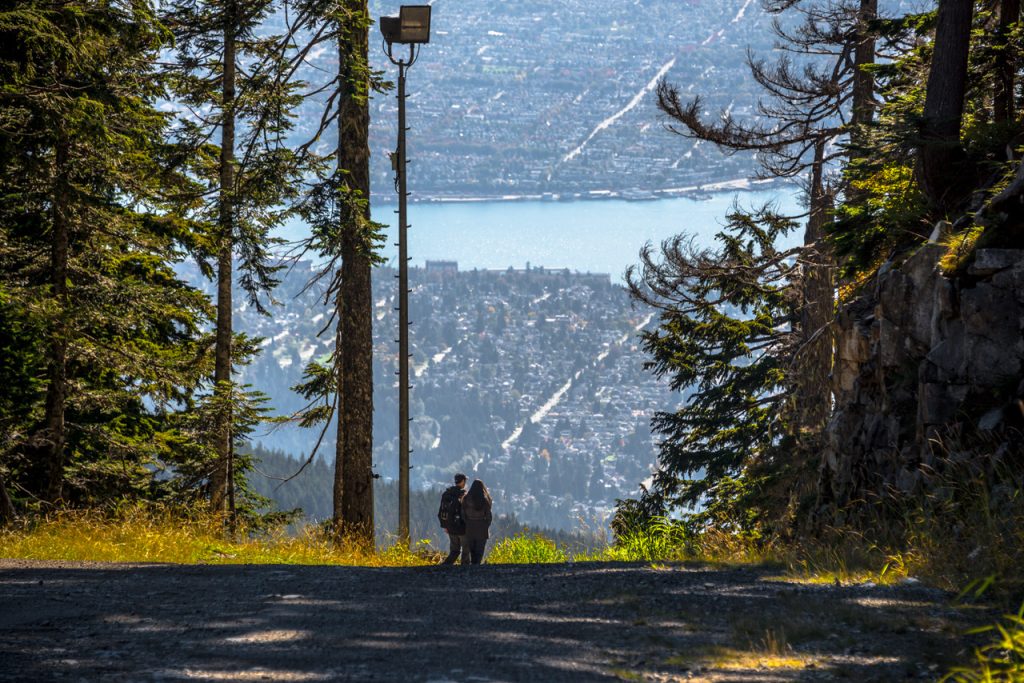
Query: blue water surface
x: 597, y: 236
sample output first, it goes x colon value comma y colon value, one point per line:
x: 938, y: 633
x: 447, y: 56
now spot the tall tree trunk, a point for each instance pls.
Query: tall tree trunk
x: 7, y: 512
x: 941, y: 161
x: 355, y: 409
x: 338, y: 509
x: 226, y: 220
x: 864, y: 56
x: 1006, y: 62
x: 56, y: 389
x: 814, y: 359
x: 863, y: 106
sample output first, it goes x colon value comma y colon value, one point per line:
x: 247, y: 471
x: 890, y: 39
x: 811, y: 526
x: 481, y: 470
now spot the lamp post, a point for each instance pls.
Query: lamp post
x: 412, y: 28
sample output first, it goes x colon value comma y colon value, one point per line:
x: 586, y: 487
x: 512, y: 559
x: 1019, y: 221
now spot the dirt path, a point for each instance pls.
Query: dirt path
x: 588, y: 622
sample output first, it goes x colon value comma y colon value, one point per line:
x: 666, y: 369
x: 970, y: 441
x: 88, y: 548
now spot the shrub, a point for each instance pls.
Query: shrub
x: 656, y: 539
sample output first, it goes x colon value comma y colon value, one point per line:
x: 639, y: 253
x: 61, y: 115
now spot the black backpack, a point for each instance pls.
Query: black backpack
x: 450, y: 512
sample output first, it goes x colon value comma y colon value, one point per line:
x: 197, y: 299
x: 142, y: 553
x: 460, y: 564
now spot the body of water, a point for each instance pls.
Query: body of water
x: 598, y: 236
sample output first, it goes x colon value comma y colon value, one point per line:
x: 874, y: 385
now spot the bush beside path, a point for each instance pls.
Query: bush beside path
x: 554, y: 622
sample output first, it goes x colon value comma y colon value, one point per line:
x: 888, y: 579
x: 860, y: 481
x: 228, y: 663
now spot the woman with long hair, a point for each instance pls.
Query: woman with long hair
x: 476, y: 510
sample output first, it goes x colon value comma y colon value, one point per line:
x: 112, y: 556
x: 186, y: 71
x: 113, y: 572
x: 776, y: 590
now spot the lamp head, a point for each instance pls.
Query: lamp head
x: 410, y: 27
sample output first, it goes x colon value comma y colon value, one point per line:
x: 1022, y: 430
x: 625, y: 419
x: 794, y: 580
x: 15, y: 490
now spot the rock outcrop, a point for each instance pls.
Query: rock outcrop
x: 920, y: 356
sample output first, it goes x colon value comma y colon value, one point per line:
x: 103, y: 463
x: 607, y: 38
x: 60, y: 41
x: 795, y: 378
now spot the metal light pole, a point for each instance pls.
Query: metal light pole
x: 411, y: 27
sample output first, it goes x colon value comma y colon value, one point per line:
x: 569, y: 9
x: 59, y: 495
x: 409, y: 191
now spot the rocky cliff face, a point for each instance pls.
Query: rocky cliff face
x: 920, y: 356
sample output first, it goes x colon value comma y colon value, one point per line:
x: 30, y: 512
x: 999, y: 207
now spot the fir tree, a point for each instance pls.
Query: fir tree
x: 103, y: 340
x: 723, y: 331
x: 236, y: 85
x: 338, y: 211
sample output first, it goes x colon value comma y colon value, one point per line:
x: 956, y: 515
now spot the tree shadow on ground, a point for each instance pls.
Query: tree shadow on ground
x: 540, y: 623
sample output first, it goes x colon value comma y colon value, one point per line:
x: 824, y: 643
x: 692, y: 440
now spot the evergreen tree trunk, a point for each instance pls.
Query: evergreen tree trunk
x: 864, y: 56
x: 222, y: 353
x: 814, y: 359
x: 56, y: 390
x: 1006, y: 62
x: 7, y: 513
x: 863, y: 105
x: 941, y: 163
x: 354, y: 477
x: 338, y: 508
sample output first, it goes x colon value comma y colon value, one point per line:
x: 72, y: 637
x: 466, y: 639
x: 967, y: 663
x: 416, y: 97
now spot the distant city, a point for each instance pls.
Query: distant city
x: 531, y: 379
x: 555, y: 100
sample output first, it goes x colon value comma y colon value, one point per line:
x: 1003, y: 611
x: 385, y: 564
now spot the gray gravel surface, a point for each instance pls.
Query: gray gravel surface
x: 585, y: 622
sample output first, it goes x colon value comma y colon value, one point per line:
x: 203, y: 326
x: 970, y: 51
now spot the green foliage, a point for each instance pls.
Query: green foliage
x: 81, y: 145
x: 724, y: 336
x: 1000, y: 659
x: 959, y: 249
x: 526, y: 548
x: 267, y: 173
x: 652, y: 540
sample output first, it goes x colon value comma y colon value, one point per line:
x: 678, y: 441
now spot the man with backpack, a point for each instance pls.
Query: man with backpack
x: 450, y: 516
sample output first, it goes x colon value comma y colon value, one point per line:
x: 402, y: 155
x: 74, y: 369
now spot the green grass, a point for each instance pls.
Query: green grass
x: 1001, y: 659
x: 527, y: 549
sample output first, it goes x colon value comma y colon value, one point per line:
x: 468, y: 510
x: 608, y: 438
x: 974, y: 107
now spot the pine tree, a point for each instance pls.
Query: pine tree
x: 338, y: 211
x: 811, y: 101
x: 723, y: 331
x: 823, y: 97
x: 236, y: 83
x: 104, y: 340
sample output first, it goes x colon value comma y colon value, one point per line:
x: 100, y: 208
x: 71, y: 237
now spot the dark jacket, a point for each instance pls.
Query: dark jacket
x: 456, y: 526
x: 478, y: 520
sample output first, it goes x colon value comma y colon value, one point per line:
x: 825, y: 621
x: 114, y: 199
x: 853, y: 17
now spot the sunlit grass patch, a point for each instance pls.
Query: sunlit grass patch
x: 1000, y: 659
x: 147, y: 536
x: 527, y: 549
x: 770, y: 654
x: 959, y: 247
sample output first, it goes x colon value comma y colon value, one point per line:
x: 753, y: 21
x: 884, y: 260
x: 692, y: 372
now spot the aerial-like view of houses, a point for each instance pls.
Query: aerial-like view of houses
x: 531, y: 379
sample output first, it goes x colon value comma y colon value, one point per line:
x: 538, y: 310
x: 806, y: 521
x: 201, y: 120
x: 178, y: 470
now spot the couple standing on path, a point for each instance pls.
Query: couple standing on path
x: 466, y: 516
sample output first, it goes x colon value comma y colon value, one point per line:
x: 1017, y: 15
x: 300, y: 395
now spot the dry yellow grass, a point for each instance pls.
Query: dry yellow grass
x: 143, y: 536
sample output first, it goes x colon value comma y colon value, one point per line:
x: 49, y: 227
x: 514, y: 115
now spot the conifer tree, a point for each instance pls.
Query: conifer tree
x: 236, y: 87
x: 812, y: 100
x: 823, y: 95
x: 354, y: 481
x: 338, y: 211
x: 723, y: 333
x: 100, y: 337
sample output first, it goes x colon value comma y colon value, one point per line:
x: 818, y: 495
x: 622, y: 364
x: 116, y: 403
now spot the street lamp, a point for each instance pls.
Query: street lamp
x: 411, y: 27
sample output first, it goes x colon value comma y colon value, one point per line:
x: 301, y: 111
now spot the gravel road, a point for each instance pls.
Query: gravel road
x: 585, y: 622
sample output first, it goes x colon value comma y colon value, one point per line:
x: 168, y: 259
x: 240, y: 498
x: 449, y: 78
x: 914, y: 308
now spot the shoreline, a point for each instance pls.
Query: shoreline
x: 696, y: 192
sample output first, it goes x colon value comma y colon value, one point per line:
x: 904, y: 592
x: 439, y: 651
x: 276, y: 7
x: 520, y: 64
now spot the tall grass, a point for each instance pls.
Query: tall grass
x: 147, y: 535
x: 1001, y: 659
x: 658, y: 540
x: 527, y: 548
x: 969, y: 525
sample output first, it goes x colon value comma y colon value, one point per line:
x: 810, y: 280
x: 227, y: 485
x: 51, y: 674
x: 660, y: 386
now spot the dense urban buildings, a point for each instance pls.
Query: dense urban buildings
x: 555, y: 100
x: 528, y: 378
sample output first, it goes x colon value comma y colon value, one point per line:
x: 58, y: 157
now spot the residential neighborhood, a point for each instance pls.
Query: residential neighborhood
x: 531, y: 379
